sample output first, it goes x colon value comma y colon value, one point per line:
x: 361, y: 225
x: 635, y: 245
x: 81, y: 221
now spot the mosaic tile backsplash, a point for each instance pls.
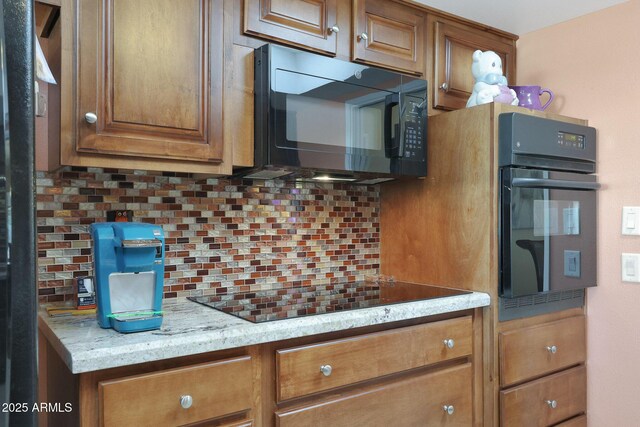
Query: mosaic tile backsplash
x: 221, y: 235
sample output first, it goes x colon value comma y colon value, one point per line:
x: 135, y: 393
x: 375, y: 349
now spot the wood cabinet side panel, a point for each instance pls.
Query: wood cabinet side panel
x: 439, y: 230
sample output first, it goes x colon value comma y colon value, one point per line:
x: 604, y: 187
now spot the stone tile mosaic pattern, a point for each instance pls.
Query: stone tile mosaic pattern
x: 221, y: 235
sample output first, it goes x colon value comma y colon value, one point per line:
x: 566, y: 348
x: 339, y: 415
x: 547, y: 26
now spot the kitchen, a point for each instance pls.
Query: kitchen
x: 548, y: 57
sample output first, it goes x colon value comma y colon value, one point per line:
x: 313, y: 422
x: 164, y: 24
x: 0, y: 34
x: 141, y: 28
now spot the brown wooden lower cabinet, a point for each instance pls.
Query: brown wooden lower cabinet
x: 180, y: 396
x: 546, y: 348
x: 546, y: 401
x: 419, y: 372
x: 542, y: 371
x: 441, y: 398
x: 369, y: 356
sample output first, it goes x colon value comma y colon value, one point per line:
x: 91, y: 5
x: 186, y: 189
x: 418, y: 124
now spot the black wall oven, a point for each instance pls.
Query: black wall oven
x: 548, y: 221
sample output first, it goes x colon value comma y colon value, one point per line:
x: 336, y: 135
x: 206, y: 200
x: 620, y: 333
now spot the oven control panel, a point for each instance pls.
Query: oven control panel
x: 571, y: 140
x: 541, y: 143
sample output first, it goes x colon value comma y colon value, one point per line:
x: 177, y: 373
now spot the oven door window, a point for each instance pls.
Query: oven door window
x: 314, y: 114
x: 548, y: 225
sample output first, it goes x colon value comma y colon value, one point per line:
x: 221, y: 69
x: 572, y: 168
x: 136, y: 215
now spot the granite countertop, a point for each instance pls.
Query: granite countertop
x: 189, y: 328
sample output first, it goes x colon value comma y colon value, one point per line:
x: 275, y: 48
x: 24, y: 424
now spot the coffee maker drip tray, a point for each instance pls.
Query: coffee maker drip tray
x: 132, y: 292
x: 291, y: 302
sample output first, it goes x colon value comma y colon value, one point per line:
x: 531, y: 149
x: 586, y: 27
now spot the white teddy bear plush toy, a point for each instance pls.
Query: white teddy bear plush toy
x: 490, y: 84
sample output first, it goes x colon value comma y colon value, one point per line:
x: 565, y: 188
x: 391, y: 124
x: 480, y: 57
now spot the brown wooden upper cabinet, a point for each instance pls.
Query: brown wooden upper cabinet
x: 310, y: 24
x: 389, y: 34
x: 149, y: 80
x: 454, y: 46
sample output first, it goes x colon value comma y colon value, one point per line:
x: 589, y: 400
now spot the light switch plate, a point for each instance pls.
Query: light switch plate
x: 631, y: 220
x: 630, y: 266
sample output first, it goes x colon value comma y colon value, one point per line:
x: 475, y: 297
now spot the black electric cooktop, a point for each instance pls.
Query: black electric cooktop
x: 287, y: 303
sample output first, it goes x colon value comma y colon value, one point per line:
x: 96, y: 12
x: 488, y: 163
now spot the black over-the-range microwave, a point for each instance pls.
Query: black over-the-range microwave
x: 330, y: 120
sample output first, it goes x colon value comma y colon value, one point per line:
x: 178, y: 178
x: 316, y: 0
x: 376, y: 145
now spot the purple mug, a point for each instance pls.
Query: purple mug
x: 529, y: 96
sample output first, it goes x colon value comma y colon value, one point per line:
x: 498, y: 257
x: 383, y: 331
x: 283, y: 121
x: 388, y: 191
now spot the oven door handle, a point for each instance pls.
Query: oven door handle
x: 554, y: 183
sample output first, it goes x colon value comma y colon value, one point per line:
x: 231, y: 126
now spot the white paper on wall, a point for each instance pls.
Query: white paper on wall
x: 43, y: 72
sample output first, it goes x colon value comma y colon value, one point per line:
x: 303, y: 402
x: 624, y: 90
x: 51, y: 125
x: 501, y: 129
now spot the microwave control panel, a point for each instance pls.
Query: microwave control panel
x: 415, y: 132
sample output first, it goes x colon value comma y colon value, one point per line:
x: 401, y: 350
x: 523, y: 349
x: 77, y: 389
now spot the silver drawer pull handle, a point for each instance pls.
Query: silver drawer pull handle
x: 552, y: 349
x: 91, y: 118
x: 334, y: 29
x: 552, y: 404
x: 449, y: 409
x: 449, y: 343
x: 444, y: 86
x: 326, y: 370
x: 186, y: 401
x: 363, y: 36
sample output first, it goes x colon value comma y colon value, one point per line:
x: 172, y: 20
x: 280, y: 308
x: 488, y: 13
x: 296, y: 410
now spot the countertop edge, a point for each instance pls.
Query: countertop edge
x: 238, y: 333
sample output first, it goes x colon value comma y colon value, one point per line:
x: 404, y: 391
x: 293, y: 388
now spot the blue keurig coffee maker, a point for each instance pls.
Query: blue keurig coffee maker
x: 129, y: 273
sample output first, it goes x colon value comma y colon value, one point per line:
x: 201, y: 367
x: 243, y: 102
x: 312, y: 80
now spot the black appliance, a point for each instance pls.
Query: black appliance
x: 18, y: 284
x: 291, y: 302
x: 548, y: 214
x: 331, y: 120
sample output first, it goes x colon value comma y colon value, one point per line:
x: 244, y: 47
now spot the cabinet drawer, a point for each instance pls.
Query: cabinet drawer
x: 369, y: 356
x: 534, y: 351
x: 418, y: 401
x: 530, y: 404
x: 216, y: 389
x: 580, y: 421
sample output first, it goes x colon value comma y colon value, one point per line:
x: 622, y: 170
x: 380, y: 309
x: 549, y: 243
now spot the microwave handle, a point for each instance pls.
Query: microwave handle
x: 554, y: 183
x: 391, y: 144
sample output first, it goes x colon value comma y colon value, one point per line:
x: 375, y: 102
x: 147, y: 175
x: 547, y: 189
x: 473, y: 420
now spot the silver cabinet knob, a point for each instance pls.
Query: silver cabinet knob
x: 444, y: 86
x: 326, y: 370
x: 449, y: 343
x: 363, y: 36
x: 552, y: 404
x: 186, y: 401
x: 91, y: 118
x: 552, y: 349
x: 449, y: 409
x: 334, y: 29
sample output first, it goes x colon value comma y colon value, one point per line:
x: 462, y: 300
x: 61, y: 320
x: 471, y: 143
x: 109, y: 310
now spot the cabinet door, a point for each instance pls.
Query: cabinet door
x: 306, y: 23
x: 454, y: 47
x: 389, y: 34
x: 150, y: 78
x: 442, y: 398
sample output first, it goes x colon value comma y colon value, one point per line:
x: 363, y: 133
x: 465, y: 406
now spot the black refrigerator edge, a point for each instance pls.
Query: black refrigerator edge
x: 18, y: 300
